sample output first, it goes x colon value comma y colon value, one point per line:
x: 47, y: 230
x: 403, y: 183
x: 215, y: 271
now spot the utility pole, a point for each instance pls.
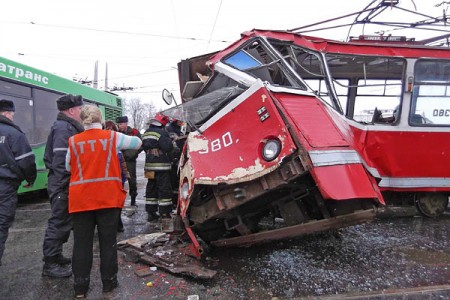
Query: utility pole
x: 95, y: 83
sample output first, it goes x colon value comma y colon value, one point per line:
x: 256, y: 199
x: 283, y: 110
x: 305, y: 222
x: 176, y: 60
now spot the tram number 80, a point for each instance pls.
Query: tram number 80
x: 441, y: 112
x: 219, y: 143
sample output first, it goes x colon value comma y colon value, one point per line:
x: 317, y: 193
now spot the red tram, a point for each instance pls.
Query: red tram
x: 293, y: 134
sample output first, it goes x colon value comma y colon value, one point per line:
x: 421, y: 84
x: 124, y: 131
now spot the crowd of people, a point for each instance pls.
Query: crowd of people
x: 89, y: 161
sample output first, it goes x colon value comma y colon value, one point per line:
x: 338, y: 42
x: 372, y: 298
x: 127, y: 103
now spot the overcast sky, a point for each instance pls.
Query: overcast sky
x: 143, y: 40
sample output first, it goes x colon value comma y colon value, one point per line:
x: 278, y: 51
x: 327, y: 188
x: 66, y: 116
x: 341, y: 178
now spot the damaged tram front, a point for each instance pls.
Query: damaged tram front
x: 292, y: 134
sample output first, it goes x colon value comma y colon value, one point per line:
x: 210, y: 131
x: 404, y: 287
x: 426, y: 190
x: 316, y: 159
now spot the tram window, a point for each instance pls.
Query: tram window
x: 255, y: 60
x: 45, y: 113
x: 320, y: 87
x: 243, y: 61
x: 431, y: 94
x: 341, y: 88
x: 375, y: 82
x: 377, y: 96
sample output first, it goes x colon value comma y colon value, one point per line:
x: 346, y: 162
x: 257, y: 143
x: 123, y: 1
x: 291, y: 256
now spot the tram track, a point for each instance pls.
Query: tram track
x: 442, y: 290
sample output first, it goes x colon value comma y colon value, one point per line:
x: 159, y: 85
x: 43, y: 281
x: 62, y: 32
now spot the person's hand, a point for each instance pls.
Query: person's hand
x: 27, y: 185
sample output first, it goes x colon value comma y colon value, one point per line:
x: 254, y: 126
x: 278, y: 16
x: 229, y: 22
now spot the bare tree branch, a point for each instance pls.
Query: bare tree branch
x: 139, y: 113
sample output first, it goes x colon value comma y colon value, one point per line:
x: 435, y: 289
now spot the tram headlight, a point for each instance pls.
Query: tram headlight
x: 271, y: 149
x: 185, y: 190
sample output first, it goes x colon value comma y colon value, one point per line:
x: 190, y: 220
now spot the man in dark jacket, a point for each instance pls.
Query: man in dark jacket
x: 59, y: 225
x: 176, y: 133
x: 130, y: 156
x: 16, y: 164
x: 157, y: 146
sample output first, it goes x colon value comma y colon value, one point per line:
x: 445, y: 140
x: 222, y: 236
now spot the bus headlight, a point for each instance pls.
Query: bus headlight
x: 271, y: 149
x: 185, y: 190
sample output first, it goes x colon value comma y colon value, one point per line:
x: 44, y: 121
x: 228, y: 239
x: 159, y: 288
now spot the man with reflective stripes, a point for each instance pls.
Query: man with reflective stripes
x: 157, y: 145
x: 96, y: 197
x: 16, y: 164
x: 59, y: 224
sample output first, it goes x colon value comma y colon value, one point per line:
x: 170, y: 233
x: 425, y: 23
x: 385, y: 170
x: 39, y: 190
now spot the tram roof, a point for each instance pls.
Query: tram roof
x: 405, y: 49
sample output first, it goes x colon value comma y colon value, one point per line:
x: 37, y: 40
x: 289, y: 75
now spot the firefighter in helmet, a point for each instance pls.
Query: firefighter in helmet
x: 158, y: 146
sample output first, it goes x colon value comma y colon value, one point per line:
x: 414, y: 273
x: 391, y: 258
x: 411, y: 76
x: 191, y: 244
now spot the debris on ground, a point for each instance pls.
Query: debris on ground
x: 159, y: 250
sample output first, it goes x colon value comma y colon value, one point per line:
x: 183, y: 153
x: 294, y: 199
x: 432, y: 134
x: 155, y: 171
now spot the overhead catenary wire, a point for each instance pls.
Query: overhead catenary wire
x: 214, y: 25
x: 126, y: 32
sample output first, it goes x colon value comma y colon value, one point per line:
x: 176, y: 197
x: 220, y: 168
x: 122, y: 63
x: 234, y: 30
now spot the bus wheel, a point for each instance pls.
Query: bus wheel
x: 431, y: 204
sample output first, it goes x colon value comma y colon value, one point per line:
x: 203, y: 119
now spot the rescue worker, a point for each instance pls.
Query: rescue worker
x: 176, y: 133
x: 60, y: 223
x: 130, y: 156
x: 157, y: 146
x: 96, y: 197
x: 16, y: 164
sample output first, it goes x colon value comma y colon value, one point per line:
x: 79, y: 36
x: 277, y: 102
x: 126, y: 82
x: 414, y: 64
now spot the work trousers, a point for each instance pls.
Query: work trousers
x: 131, y: 166
x: 59, y: 225
x: 158, y: 193
x: 8, y: 204
x: 84, y: 224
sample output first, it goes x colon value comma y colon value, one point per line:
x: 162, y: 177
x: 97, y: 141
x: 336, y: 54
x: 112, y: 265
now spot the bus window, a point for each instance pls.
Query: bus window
x: 13, y: 89
x: 21, y: 96
x: 45, y: 113
x: 431, y: 94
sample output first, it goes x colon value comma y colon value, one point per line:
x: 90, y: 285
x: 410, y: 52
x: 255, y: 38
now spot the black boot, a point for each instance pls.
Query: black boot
x: 53, y: 269
x: 120, y: 226
x: 152, y: 217
x: 80, y: 292
x: 62, y: 260
x: 133, y: 201
x: 109, y: 284
x: 81, y: 287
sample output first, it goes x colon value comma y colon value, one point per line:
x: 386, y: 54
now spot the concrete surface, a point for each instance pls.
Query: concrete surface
x: 403, y: 258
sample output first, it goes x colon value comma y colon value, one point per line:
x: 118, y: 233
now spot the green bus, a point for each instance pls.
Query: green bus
x: 34, y: 93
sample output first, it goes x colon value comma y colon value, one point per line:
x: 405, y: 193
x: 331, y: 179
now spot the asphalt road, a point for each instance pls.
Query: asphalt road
x: 397, y: 258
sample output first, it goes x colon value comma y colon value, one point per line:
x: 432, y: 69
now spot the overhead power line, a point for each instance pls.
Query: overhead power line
x: 127, y: 32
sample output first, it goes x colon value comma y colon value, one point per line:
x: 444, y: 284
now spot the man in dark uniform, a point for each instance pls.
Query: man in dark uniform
x: 174, y: 128
x: 60, y: 223
x: 157, y: 146
x: 130, y: 156
x: 16, y: 164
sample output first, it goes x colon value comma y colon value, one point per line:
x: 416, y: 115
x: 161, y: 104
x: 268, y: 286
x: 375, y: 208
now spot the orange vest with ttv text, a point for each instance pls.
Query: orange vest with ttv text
x: 95, y: 179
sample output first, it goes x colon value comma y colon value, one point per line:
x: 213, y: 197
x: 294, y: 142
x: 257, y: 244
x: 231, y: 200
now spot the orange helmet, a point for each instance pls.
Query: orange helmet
x: 160, y: 118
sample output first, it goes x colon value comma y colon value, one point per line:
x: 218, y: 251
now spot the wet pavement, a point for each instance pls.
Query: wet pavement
x: 397, y: 258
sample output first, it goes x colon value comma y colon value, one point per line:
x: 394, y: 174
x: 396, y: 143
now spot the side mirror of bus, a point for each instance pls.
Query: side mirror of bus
x: 167, y: 97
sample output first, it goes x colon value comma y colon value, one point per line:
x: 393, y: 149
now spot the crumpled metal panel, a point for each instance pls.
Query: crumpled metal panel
x: 229, y: 147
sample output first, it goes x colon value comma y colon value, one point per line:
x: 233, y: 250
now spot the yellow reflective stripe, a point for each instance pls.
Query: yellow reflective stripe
x: 96, y: 180
x: 108, y: 160
x: 77, y: 157
x: 165, y: 202
x: 151, y: 201
x: 157, y: 166
x: 151, y: 135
